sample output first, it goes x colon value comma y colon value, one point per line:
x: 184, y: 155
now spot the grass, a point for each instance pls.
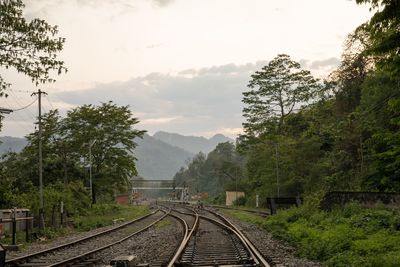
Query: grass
x: 163, y: 223
x: 105, y: 214
x: 349, y: 236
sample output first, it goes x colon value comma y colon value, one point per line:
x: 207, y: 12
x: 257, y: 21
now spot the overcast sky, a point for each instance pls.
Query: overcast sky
x: 181, y: 65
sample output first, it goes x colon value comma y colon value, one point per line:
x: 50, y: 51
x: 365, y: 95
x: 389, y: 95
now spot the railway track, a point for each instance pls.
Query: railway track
x: 80, y: 252
x: 211, y: 240
x: 207, y: 239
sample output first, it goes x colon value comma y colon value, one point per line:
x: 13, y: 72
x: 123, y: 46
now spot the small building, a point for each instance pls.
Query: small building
x: 231, y: 197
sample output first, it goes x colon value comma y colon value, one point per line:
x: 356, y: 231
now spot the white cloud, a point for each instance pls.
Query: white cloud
x: 202, y: 101
x: 166, y: 45
x: 207, y: 102
x: 158, y: 121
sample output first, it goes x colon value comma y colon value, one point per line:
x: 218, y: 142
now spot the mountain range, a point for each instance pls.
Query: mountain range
x: 159, y: 156
x: 193, y: 144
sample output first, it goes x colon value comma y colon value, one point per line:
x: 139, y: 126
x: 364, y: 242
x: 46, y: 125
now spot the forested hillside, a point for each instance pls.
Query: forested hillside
x: 159, y: 160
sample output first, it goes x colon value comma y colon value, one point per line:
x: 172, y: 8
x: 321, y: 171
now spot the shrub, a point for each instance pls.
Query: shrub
x: 347, y: 236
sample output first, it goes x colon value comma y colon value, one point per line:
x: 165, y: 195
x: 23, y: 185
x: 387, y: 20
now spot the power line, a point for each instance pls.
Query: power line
x: 22, y: 120
x: 30, y: 104
x: 381, y: 103
x: 26, y: 111
x: 48, y: 100
x: 19, y: 91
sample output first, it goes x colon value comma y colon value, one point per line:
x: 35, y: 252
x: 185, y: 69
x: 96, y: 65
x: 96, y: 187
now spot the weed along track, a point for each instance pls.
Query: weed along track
x: 81, y: 252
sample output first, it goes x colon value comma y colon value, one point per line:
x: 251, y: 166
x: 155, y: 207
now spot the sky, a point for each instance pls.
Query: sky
x: 180, y: 65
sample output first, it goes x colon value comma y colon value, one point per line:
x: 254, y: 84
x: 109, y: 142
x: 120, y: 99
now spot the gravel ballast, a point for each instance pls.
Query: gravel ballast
x: 278, y: 252
x: 155, y: 246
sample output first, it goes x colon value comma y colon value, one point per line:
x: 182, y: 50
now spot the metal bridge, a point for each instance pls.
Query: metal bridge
x: 159, y: 185
x: 154, y: 185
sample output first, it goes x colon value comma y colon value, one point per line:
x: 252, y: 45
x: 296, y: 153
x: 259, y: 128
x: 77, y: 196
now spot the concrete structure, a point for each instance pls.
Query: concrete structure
x: 231, y: 196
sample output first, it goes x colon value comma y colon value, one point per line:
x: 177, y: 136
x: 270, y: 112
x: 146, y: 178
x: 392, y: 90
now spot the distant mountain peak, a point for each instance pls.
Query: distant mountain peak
x: 158, y: 159
x: 193, y: 144
x: 220, y: 138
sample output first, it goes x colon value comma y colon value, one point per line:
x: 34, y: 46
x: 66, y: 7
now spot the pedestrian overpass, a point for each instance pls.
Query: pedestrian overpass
x: 138, y: 185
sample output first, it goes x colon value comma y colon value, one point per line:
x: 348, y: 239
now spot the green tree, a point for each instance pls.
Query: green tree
x: 275, y: 92
x: 58, y: 153
x: 274, y: 128
x: 192, y: 175
x: 220, y: 170
x: 379, y: 110
x: 113, y: 129
x: 226, y: 165
x: 385, y: 34
x: 66, y: 141
x: 28, y: 47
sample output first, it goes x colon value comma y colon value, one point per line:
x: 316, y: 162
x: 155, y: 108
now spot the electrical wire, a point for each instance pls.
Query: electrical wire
x: 381, y: 103
x: 26, y: 111
x: 30, y: 104
x: 51, y: 105
x: 21, y: 122
x: 19, y: 119
x: 18, y: 91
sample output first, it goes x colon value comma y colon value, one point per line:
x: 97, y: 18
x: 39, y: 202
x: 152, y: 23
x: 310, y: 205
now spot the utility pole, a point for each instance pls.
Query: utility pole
x: 90, y: 169
x: 41, y: 215
x: 277, y: 167
x: 236, y: 187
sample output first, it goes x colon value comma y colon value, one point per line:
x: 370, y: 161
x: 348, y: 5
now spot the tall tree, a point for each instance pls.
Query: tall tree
x: 275, y: 92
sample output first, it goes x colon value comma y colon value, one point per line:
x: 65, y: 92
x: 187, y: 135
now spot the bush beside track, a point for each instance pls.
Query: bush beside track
x: 349, y: 236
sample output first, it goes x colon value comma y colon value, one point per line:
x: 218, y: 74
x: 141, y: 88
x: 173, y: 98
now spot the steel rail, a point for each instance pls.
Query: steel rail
x: 255, y: 251
x: 85, y: 255
x: 183, y: 242
x: 15, y: 261
x: 238, y: 235
x: 222, y: 225
x: 186, y: 236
